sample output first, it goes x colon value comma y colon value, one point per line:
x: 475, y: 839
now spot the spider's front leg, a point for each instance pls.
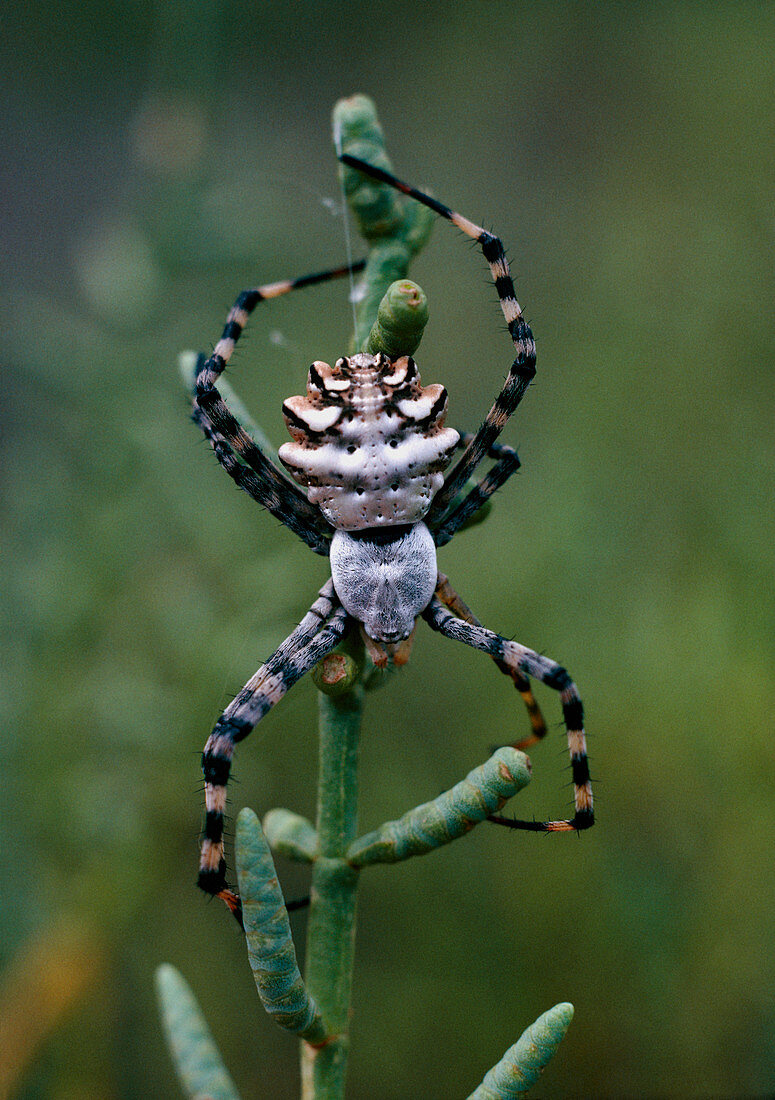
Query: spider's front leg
x: 450, y: 598
x: 321, y: 629
x: 527, y: 661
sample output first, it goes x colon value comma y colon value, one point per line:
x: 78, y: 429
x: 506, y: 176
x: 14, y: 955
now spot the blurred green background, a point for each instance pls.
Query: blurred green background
x: 157, y: 159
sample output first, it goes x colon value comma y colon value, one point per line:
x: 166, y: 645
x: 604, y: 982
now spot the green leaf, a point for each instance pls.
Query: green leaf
x: 522, y: 1065
x: 271, y: 952
x: 196, y: 1057
x: 484, y: 791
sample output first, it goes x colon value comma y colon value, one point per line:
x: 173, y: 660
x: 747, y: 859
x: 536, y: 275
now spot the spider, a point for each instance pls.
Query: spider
x: 370, y: 447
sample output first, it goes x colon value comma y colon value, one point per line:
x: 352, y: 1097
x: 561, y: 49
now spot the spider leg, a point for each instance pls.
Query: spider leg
x: 402, y: 651
x: 265, y: 492
x: 530, y: 663
x: 522, y: 369
x: 226, y: 436
x: 321, y: 629
x: 506, y: 463
x: 450, y: 598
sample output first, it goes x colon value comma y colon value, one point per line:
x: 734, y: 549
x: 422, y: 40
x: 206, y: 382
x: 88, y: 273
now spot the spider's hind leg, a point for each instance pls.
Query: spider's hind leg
x: 259, y: 477
x: 523, y: 368
x: 528, y: 662
x: 506, y: 463
x: 321, y: 629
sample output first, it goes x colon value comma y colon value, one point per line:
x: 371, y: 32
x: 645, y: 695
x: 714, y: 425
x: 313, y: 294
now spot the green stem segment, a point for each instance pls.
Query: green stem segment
x: 522, y: 1065
x: 331, y: 929
x: 395, y: 227
x: 290, y: 835
x: 391, y: 319
x: 484, y: 791
x: 401, y: 319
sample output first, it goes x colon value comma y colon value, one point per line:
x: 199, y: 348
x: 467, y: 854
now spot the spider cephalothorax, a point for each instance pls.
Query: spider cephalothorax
x: 370, y: 448
x: 385, y: 578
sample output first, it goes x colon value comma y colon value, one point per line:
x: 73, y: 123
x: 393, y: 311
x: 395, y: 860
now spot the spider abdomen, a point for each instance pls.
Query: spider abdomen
x: 369, y: 442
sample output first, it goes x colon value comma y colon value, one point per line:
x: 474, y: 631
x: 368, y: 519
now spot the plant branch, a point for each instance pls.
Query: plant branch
x: 484, y: 791
x: 394, y: 227
x: 197, y: 1061
x: 522, y: 1065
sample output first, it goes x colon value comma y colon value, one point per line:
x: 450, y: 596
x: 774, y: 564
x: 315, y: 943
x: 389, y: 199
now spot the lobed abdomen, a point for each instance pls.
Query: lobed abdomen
x: 369, y: 442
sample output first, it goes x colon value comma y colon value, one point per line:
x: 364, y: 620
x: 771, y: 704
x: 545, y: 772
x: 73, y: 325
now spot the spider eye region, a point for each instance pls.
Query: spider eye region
x: 385, y: 582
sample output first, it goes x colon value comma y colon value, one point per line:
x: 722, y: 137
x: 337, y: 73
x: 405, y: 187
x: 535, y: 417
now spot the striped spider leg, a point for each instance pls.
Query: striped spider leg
x: 448, y: 513
x: 529, y: 663
x: 450, y: 598
x: 522, y: 370
x: 506, y: 463
x: 258, y: 480
x: 260, y: 477
x: 321, y: 629
x: 368, y: 451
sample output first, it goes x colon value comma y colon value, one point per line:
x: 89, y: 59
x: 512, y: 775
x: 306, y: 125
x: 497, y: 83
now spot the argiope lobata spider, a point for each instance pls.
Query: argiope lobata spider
x: 370, y: 447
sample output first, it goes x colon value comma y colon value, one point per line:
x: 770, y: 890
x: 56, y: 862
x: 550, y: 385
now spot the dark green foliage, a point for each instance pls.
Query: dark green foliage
x: 620, y: 154
x: 198, y: 1064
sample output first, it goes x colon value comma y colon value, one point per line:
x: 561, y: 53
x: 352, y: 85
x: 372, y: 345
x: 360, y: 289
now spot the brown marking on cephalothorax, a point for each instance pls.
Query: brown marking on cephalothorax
x: 369, y: 442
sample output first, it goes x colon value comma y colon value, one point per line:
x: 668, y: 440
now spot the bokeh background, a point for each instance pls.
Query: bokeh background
x: 159, y: 157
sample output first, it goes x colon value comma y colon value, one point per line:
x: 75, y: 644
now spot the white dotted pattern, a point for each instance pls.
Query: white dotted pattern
x: 369, y: 442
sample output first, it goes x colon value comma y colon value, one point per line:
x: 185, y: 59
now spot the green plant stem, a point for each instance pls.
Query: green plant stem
x: 197, y: 1061
x: 331, y: 929
x: 394, y: 227
x: 395, y: 231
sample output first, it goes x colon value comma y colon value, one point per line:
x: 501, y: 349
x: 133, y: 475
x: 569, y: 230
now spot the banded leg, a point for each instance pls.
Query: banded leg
x: 450, y: 598
x: 256, y: 487
x: 321, y: 629
x: 269, y: 486
x: 553, y: 675
x: 506, y: 463
x: 522, y: 369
